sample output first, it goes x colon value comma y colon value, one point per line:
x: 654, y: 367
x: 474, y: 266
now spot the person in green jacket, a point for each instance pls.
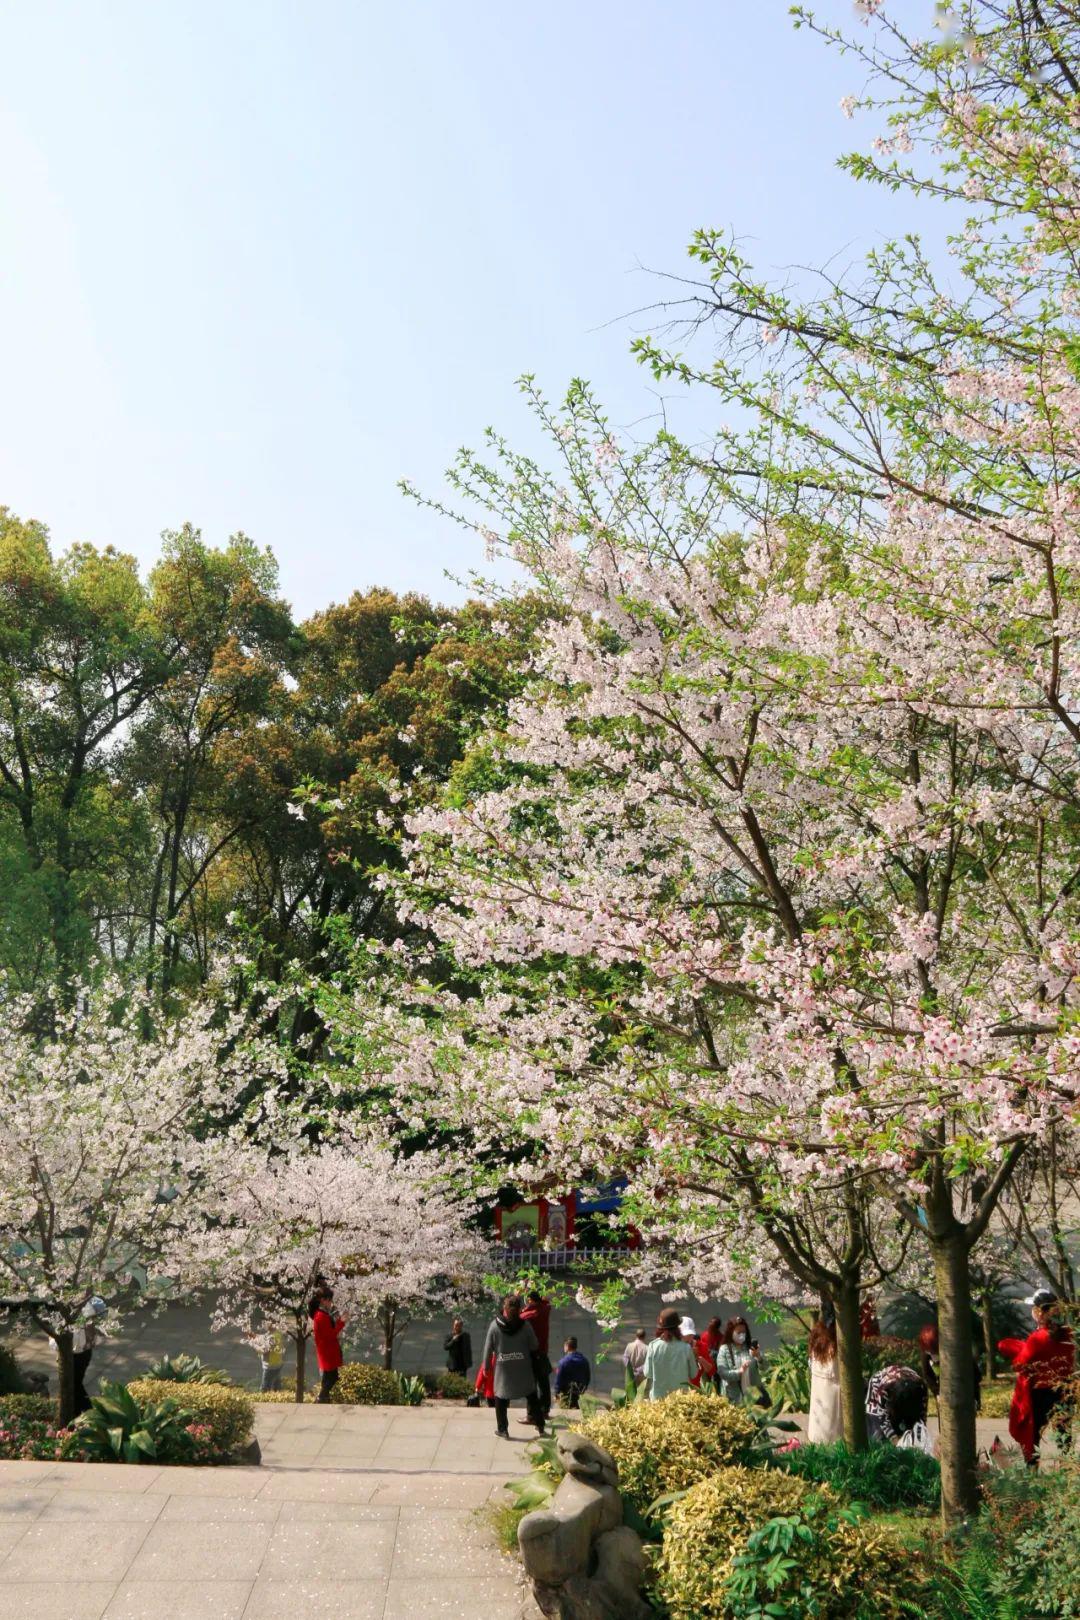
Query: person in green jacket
x: 670, y: 1363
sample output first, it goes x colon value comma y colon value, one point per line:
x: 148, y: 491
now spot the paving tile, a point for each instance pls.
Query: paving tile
x: 343, y: 1445
x: 209, y: 1482
x: 22, y: 1501
x: 451, y: 1599
x: 344, y: 1600
x: 176, y: 1552
x: 105, y: 1476
x: 119, y: 1507
x: 179, y: 1600
x: 11, y: 1532
x: 433, y: 1490
x: 433, y: 1542
x: 285, y: 1445
x: 320, y: 1485
x: 324, y: 1512
x: 219, y: 1510
x: 27, y: 1473
x: 427, y: 1426
x: 402, y: 1448
x: 85, y: 1552
x: 353, y: 1551
x: 56, y: 1600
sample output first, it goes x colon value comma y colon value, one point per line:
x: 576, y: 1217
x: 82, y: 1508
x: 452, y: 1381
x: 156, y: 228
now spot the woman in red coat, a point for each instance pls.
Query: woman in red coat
x: 326, y: 1331
x: 1044, y: 1363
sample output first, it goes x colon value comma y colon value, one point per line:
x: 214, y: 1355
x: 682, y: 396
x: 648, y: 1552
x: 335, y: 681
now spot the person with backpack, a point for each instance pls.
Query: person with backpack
x: 511, y: 1348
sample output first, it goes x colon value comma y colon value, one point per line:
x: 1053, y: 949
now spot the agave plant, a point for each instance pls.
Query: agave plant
x: 118, y: 1429
x: 185, y: 1369
x: 788, y: 1377
x: 413, y: 1390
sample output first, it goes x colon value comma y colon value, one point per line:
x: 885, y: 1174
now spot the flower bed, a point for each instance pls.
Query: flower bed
x: 227, y: 1413
x: 668, y: 1445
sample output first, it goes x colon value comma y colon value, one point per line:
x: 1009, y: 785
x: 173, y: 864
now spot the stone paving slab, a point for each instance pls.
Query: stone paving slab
x: 360, y: 1536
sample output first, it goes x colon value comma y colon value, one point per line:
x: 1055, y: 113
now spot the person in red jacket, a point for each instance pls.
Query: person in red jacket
x: 537, y: 1313
x: 1044, y: 1363
x: 326, y: 1331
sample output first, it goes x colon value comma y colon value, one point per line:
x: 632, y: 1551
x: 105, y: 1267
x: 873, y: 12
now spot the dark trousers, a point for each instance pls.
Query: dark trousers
x: 326, y: 1384
x: 81, y: 1360
x: 534, y: 1414
x: 543, y: 1390
x: 1050, y: 1405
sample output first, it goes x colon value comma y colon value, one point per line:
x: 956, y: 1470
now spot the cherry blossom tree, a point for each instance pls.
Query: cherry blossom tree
x: 110, y: 1151
x: 389, y: 1232
x: 789, y: 812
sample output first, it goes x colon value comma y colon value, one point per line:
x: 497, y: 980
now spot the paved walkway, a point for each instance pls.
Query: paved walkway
x: 359, y: 1513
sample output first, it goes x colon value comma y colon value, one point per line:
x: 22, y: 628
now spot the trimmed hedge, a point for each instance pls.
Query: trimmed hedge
x: 33, y: 1408
x: 704, y: 1531
x: 668, y: 1445
x: 361, y: 1383
x: 228, y: 1412
x: 834, y: 1569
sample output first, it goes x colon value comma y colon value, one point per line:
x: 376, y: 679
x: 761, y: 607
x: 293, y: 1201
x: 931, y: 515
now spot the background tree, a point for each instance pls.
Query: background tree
x: 108, y: 1161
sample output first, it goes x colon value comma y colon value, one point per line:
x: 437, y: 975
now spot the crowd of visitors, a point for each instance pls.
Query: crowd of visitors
x: 727, y: 1359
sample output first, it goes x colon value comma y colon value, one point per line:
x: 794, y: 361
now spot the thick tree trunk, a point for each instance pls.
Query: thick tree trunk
x: 65, y: 1374
x: 301, y: 1349
x: 956, y: 1401
x: 849, y: 1363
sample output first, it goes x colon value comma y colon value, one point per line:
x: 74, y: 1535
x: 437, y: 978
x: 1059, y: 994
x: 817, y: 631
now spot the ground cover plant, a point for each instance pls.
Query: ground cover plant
x: 668, y: 1445
x: 881, y: 1477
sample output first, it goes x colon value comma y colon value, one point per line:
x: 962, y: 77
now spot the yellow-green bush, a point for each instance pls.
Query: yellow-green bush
x: 228, y: 1412
x: 845, y: 1569
x: 361, y: 1383
x: 668, y: 1445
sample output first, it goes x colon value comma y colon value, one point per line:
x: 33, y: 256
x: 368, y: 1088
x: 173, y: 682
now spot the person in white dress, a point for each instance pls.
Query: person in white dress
x: 826, y: 1415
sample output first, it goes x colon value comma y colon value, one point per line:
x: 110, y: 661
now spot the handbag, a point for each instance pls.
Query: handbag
x: 917, y: 1438
x: 473, y: 1399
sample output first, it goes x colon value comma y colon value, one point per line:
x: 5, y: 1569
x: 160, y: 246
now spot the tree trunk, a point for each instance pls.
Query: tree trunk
x: 300, y: 1341
x: 988, y: 1332
x: 386, y: 1317
x: 849, y: 1364
x: 956, y: 1401
x: 65, y: 1373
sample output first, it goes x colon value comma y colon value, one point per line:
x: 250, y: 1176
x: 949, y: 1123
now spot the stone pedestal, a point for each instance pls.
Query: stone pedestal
x: 584, y: 1563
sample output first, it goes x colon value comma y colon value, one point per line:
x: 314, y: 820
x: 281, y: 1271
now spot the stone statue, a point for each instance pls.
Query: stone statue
x: 584, y: 1563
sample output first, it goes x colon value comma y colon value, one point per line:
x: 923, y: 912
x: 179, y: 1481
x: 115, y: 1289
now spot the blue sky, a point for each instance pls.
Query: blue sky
x: 259, y: 260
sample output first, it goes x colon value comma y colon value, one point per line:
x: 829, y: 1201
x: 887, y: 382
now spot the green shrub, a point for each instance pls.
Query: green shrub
x: 452, y: 1386
x: 787, y: 1376
x: 185, y: 1369
x: 28, y: 1429
x: 229, y: 1413
x: 882, y: 1476
x: 363, y: 1384
x: 1029, y: 1536
x: 825, y: 1560
x: 667, y: 1445
x: 39, y: 1407
x: 888, y: 1350
x: 119, y: 1427
x: 10, y: 1377
x: 275, y: 1397
x: 709, y: 1526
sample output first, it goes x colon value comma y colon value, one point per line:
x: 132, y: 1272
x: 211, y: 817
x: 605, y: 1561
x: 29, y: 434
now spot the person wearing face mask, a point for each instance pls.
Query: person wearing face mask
x: 739, y: 1363
x: 1045, y: 1362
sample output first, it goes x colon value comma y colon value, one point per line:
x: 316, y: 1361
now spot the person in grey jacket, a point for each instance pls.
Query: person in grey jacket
x: 511, y: 1348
